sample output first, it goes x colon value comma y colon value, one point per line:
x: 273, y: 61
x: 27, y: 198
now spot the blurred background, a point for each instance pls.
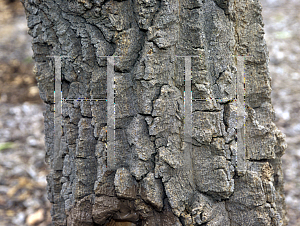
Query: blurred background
x: 23, y: 199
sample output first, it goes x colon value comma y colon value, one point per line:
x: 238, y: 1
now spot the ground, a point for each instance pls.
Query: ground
x: 23, y: 198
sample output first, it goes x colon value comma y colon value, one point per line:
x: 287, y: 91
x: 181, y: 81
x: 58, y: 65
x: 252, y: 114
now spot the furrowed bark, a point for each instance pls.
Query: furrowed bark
x: 146, y: 153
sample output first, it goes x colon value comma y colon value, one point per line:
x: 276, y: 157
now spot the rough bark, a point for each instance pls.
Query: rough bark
x: 155, y: 181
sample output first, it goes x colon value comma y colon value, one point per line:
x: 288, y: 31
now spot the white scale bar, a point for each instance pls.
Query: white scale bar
x: 240, y: 104
x: 188, y: 109
x: 110, y: 114
x: 58, y: 164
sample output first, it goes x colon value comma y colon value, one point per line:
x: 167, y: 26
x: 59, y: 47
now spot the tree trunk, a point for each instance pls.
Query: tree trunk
x: 163, y: 112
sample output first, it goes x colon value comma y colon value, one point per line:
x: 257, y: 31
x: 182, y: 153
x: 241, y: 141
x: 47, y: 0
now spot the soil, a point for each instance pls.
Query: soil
x: 23, y: 171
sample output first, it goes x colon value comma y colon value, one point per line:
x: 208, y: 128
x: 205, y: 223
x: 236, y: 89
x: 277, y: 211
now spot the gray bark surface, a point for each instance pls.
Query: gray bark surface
x: 228, y: 172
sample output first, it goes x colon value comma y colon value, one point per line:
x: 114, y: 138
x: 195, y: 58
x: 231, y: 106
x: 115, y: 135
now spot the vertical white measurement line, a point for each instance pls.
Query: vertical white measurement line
x: 187, y: 129
x: 187, y: 126
x: 110, y: 114
x: 188, y: 108
x: 57, y: 113
x: 241, y: 113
